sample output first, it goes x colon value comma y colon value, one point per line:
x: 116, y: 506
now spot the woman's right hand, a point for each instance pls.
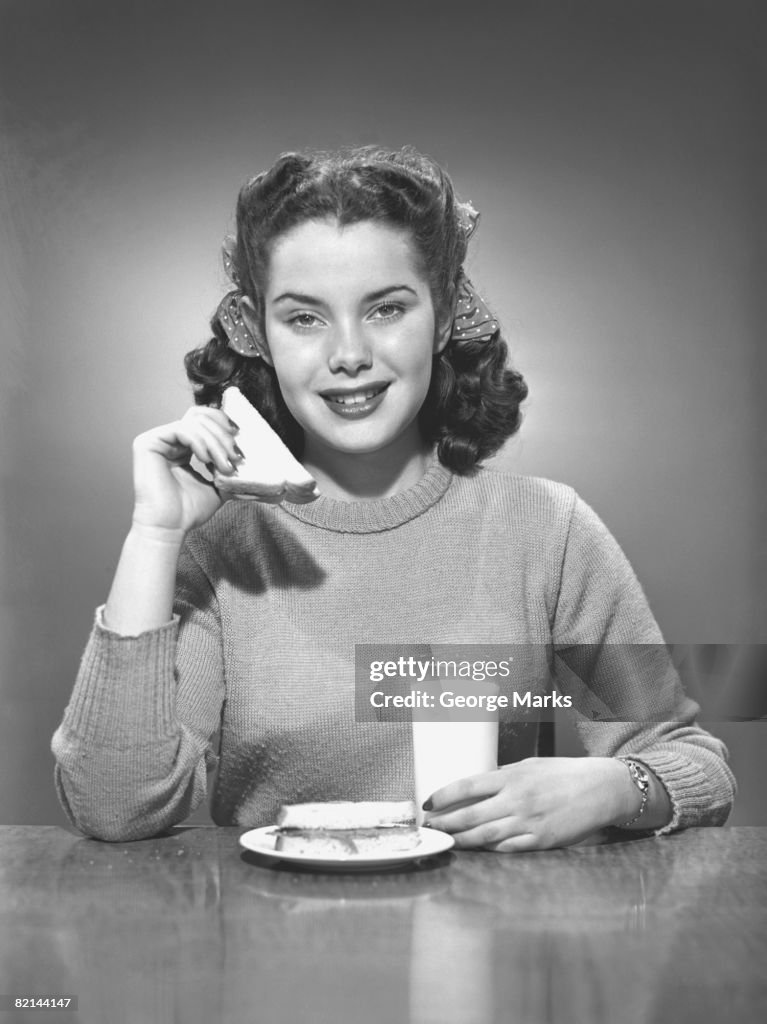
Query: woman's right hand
x: 169, y: 494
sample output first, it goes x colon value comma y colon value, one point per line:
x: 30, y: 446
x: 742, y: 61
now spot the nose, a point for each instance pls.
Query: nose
x: 350, y: 350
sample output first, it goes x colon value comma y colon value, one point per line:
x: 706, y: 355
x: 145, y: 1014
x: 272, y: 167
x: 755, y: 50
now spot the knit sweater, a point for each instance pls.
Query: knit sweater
x: 250, y: 689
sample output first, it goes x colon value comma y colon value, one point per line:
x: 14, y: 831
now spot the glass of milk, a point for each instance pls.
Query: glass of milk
x: 455, y: 745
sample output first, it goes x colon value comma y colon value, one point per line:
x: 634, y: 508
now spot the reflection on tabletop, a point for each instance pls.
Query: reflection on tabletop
x: 188, y: 928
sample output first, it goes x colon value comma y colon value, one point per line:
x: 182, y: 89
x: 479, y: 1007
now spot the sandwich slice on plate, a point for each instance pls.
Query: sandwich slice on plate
x: 343, y: 828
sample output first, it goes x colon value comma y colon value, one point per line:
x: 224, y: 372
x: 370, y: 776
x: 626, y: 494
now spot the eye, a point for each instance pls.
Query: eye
x: 304, y: 321
x: 387, y: 311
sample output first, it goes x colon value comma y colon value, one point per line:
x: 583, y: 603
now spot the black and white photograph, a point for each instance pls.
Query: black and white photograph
x: 383, y: 635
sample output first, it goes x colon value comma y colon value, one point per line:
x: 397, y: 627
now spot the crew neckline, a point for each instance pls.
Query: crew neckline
x: 379, y: 514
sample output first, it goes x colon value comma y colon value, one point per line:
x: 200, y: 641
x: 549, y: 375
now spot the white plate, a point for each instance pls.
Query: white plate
x: 262, y: 840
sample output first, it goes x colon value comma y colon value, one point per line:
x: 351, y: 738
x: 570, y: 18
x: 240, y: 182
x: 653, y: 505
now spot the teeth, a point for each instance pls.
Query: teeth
x: 359, y: 398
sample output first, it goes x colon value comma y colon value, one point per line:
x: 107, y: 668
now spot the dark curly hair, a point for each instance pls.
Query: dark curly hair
x: 473, y: 402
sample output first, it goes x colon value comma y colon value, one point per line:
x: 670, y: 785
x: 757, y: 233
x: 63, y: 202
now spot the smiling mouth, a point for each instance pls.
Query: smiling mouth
x: 352, y: 398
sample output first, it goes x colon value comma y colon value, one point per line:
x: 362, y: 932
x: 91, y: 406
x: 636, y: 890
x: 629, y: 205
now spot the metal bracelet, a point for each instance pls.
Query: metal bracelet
x: 641, y: 780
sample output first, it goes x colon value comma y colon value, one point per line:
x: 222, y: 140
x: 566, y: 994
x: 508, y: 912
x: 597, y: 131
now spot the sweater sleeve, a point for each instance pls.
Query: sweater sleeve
x: 611, y: 658
x: 137, y: 737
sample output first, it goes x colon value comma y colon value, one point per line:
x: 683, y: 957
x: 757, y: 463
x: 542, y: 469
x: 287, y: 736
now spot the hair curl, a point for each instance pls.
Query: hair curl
x: 473, y: 402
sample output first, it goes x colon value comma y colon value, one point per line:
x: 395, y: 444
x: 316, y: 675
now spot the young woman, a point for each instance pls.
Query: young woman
x: 227, y: 642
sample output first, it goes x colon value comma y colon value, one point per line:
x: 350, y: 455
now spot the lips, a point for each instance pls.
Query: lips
x: 356, y: 403
x: 355, y: 396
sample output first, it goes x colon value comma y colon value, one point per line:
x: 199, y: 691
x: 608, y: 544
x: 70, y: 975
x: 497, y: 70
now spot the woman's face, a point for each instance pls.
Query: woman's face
x: 350, y: 328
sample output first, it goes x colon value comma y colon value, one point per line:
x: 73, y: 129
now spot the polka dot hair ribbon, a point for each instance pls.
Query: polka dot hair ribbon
x: 229, y: 313
x: 472, y: 317
x: 227, y: 258
x: 468, y: 218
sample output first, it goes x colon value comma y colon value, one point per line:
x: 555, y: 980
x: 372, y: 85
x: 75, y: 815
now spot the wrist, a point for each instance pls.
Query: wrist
x: 160, y: 536
x: 625, y: 798
x: 141, y: 597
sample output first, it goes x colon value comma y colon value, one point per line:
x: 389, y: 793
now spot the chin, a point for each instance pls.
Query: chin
x: 362, y: 446
x: 359, y: 441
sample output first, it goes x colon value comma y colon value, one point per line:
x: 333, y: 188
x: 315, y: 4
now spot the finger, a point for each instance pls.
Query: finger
x: 461, y: 818
x: 468, y: 790
x: 214, y: 428
x: 490, y: 834
x: 189, y: 471
x: 208, y: 447
x: 212, y: 415
x: 208, y: 434
x: 215, y: 418
x: 175, y: 442
x: 216, y: 424
x: 525, y: 842
x: 218, y: 414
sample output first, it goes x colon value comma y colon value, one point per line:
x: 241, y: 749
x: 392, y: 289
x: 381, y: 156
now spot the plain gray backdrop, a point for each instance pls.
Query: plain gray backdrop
x: 613, y: 149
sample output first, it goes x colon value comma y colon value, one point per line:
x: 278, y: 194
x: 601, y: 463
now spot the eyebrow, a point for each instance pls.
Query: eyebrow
x: 310, y: 300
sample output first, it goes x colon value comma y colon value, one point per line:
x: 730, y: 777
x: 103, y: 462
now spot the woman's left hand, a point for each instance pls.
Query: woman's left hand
x: 535, y: 804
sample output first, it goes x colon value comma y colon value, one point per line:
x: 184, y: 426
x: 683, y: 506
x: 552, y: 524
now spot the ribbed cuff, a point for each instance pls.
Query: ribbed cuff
x: 687, y: 785
x: 125, y: 689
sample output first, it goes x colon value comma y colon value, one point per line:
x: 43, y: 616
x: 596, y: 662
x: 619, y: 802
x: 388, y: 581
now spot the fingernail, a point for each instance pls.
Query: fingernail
x: 235, y: 427
x: 238, y: 451
x: 427, y: 805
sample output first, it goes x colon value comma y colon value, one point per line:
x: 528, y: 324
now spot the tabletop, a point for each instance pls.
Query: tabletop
x: 190, y: 927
